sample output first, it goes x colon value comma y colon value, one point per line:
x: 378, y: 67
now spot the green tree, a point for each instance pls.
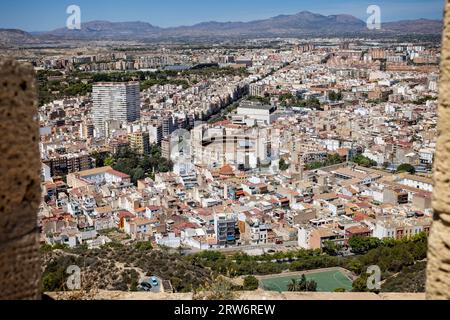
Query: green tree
x: 331, y: 248
x: 220, y: 289
x: 138, y: 174
x: 100, y: 158
x: 364, y: 161
x: 313, y: 103
x: 406, y: 168
x: 360, y: 284
x: 140, y: 166
x: 333, y: 159
x: 302, y: 285
x: 315, y: 165
x: 410, y: 279
x: 286, y: 96
x: 311, y: 286
x: 283, y: 165
x: 293, y: 285
x: 134, y: 280
x: 251, y: 283
x: 144, y: 246
x: 334, y: 96
x: 53, y: 281
x: 363, y: 244
x: 211, y: 255
x: 263, y: 100
x: 109, y: 162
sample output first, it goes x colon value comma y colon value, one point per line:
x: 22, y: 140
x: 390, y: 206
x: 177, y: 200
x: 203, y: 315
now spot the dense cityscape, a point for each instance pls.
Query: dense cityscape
x: 236, y: 165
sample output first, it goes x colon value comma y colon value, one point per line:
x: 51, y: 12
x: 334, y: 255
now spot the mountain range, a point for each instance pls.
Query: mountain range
x: 304, y: 23
x: 15, y: 36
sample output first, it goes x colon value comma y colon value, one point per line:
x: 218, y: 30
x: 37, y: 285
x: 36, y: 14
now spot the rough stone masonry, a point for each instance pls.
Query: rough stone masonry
x: 438, y: 273
x: 20, y: 192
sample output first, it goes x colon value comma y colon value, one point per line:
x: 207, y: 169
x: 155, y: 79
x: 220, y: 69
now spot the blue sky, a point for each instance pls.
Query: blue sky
x: 42, y: 15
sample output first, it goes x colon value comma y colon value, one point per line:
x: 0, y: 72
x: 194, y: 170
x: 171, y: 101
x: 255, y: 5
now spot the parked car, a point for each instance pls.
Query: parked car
x: 145, y: 286
x: 154, y: 282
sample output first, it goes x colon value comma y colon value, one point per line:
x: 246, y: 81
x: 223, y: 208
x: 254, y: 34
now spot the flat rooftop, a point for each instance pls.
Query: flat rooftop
x: 256, y: 106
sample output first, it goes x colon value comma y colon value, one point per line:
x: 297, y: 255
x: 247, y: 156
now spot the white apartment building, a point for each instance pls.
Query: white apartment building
x: 418, y: 182
x: 252, y: 113
x: 115, y: 101
x: 304, y: 234
x: 400, y: 228
x: 378, y: 157
x: 259, y: 234
x: 426, y: 155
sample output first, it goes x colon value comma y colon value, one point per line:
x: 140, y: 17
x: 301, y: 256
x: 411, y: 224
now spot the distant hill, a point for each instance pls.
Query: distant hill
x: 304, y: 23
x: 298, y: 24
x: 106, y: 30
x: 420, y: 26
x: 10, y: 37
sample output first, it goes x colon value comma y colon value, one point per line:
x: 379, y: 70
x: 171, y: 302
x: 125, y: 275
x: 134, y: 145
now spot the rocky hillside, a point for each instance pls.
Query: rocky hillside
x: 107, y: 30
x: 119, y: 267
x: 10, y: 37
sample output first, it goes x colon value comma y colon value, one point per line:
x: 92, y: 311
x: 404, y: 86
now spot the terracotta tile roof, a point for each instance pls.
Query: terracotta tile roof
x: 360, y: 217
x: 125, y: 214
x: 358, y: 230
x: 226, y: 170
x: 118, y: 174
x: 325, y: 196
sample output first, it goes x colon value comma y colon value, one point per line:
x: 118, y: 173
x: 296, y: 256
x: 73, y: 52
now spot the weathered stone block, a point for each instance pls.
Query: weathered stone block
x: 438, y: 270
x: 20, y: 192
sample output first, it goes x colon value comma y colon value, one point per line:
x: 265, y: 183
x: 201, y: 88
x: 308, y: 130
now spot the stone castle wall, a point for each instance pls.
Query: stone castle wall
x: 438, y: 273
x: 20, y: 192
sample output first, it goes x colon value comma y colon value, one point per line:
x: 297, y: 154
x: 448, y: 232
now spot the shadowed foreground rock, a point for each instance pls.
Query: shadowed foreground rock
x: 438, y: 273
x: 20, y: 183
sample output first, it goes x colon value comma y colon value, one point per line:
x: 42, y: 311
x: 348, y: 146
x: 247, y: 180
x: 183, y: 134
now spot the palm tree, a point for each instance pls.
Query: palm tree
x: 293, y: 285
x: 311, y: 286
x: 303, y: 284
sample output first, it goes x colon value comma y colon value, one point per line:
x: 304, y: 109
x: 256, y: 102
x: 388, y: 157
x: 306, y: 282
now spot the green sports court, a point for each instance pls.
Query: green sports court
x: 327, y: 281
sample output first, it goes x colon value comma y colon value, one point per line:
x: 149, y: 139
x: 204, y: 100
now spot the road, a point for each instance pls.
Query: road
x: 223, y: 111
x: 287, y: 246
